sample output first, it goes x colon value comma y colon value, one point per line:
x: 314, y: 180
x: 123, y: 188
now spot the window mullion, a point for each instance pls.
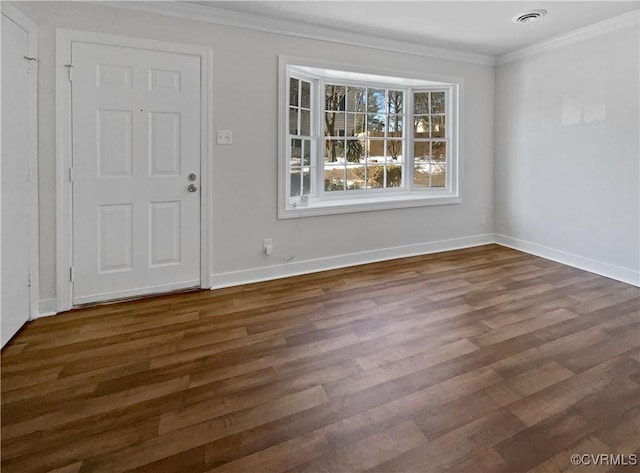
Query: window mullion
x: 319, y: 132
x: 430, y: 128
x: 313, y: 165
x: 409, y: 126
x: 367, y: 136
x: 299, y: 129
x: 447, y: 132
x: 385, y: 144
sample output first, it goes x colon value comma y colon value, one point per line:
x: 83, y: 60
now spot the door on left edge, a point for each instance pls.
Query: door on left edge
x: 16, y: 305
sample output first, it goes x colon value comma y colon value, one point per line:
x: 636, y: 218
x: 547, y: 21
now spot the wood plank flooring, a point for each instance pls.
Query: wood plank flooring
x: 482, y: 360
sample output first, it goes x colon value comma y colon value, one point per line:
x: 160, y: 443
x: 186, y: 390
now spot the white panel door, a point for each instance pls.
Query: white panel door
x: 15, y: 306
x: 136, y: 171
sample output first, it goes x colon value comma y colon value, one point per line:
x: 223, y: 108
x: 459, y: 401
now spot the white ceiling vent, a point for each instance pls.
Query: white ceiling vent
x: 531, y: 15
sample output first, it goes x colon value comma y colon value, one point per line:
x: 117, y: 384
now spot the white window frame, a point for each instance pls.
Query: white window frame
x: 320, y: 202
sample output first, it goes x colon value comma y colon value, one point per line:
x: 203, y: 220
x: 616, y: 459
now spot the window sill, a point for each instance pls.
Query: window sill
x: 366, y: 204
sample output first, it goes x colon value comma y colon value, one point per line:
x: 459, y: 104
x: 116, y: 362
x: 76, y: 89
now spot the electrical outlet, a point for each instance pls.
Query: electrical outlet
x: 224, y: 137
x: 267, y: 246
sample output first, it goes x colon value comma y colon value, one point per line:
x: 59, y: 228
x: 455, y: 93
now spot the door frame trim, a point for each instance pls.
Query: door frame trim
x: 24, y: 22
x: 64, y: 210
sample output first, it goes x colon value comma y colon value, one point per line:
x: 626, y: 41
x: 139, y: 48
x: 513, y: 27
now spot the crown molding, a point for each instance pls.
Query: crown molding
x: 600, y: 28
x: 219, y: 16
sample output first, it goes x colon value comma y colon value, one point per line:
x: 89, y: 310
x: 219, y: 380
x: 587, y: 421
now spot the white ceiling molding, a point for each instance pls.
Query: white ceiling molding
x: 223, y: 17
x: 625, y: 20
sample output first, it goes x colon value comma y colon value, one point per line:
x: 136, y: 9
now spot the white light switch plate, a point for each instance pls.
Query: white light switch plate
x: 224, y: 137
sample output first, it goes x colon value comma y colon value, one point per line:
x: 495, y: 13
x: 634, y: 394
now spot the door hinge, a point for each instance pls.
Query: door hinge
x: 28, y: 173
x: 70, y: 69
x: 70, y: 174
x: 71, y: 274
x: 32, y: 61
x: 28, y: 280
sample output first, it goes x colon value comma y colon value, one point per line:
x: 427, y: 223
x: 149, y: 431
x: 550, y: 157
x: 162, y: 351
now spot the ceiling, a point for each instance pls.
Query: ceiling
x: 483, y: 27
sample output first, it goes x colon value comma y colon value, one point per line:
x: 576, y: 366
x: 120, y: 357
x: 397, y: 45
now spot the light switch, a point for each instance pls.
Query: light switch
x: 224, y: 137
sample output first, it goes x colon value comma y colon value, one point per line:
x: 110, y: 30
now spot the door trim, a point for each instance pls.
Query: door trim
x: 19, y: 18
x: 64, y: 210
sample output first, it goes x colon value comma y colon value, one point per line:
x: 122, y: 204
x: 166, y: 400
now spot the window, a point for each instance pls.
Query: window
x: 352, y: 141
x: 300, y: 136
x: 430, y: 139
x: 363, y: 137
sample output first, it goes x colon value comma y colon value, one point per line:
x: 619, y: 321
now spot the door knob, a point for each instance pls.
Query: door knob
x: 192, y: 177
x: 192, y: 188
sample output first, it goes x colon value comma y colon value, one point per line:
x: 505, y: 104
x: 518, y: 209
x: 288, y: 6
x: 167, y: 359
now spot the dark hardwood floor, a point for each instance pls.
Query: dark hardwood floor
x: 484, y: 360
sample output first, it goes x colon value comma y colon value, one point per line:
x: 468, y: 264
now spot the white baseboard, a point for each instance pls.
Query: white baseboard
x: 618, y: 273
x: 296, y: 268
x: 46, y: 307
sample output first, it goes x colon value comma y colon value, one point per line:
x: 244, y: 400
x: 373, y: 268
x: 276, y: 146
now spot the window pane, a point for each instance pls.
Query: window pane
x: 333, y: 151
x: 394, y: 151
x: 394, y: 126
x: 334, y: 178
x: 356, y: 99
x: 334, y: 124
x: 437, y: 126
x: 334, y: 97
x: 421, y: 103
x: 375, y: 151
x: 306, y: 181
x: 355, y: 177
x: 293, y: 121
x: 430, y: 175
x: 439, y: 175
x: 437, y: 102
x: 305, y: 96
x: 421, y: 175
x: 295, y: 182
x: 421, y: 151
x: 293, y: 92
x: 355, y: 123
x: 396, y: 98
x: 355, y: 151
x: 306, y: 153
x: 375, y: 177
x: 439, y: 151
x: 375, y: 124
x: 394, y: 176
x: 421, y: 126
x: 376, y: 101
x: 296, y: 152
x: 305, y: 122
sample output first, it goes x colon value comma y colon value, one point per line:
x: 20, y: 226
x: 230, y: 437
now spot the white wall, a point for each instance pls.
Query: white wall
x: 244, y: 174
x: 567, y: 154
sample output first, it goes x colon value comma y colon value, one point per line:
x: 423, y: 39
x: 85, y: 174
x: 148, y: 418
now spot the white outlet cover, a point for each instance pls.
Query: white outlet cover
x: 224, y: 137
